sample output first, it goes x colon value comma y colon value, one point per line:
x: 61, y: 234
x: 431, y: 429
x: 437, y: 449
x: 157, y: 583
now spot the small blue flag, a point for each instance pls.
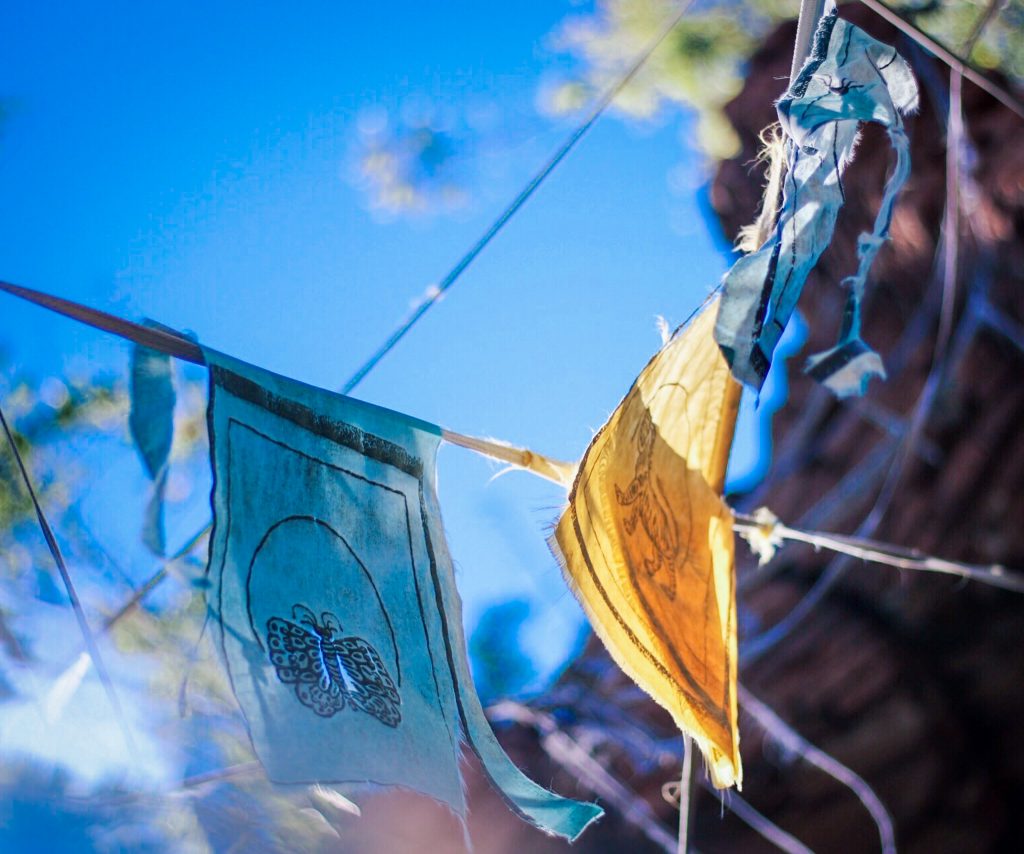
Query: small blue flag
x: 151, y: 422
x: 340, y: 624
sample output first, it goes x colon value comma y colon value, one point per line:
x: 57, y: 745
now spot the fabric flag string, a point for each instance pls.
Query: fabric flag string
x: 848, y: 78
x: 556, y: 471
x: 161, y: 339
x: 332, y: 587
x: 646, y: 542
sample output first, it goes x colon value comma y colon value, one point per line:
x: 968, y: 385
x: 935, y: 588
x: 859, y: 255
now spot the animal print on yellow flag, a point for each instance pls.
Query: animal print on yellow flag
x: 646, y: 542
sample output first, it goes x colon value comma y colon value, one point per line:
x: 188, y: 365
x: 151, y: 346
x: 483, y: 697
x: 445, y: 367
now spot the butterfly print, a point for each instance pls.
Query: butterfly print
x: 330, y: 671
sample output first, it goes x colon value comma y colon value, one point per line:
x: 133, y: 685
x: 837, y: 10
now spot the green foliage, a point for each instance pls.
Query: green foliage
x: 701, y: 66
x: 38, y: 414
x: 409, y: 168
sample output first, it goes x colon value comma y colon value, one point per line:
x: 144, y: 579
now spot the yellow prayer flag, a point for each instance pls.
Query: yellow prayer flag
x: 646, y: 542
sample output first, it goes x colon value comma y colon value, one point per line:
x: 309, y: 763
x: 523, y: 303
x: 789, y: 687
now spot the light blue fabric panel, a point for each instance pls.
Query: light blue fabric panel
x: 151, y: 423
x: 848, y: 78
x: 340, y: 622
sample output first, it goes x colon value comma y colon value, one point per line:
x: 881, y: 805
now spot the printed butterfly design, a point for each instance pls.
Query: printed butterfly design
x: 330, y: 671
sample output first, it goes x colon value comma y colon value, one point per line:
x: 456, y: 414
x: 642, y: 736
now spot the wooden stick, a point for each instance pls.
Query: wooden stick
x: 156, y: 339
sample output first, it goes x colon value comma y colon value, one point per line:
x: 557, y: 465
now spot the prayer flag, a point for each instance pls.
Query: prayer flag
x: 847, y: 79
x: 340, y: 625
x: 646, y: 542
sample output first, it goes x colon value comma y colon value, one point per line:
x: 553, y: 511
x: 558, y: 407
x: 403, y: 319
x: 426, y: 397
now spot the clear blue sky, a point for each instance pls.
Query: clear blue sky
x: 191, y: 163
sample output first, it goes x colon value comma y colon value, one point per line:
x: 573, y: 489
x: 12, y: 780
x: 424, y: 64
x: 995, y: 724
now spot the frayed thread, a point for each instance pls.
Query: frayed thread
x: 772, y: 153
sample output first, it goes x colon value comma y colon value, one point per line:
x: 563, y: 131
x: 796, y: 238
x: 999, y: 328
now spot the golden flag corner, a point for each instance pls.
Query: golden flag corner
x: 646, y: 542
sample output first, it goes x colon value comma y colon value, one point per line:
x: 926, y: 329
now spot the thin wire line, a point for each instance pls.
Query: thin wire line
x: 129, y: 605
x: 760, y: 824
x: 754, y: 528
x: 76, y: 603
x: 169, y: 342
x: 796, y: 744
x: 434, y: 294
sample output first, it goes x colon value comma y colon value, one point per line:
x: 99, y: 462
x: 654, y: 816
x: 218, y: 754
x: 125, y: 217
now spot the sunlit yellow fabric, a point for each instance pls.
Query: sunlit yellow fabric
x: 647, y: 544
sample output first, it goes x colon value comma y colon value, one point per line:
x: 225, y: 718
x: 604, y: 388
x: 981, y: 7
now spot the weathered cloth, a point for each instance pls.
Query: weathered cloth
x: 340, y: 624
x: 151, y: 422
x: 646, y: 542
x: 848, y: 78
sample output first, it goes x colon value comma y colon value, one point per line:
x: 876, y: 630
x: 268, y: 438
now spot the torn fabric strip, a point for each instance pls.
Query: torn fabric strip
x: 340, y: 624
x: 848, y: 78
x: 646, y: 542
x: 151, y: 423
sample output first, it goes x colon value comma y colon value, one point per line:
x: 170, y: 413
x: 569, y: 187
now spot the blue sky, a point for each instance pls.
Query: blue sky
x: 193, y: 163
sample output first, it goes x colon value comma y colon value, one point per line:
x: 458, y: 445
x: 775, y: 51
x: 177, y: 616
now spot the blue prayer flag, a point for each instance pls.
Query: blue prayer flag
x: 340, y: 624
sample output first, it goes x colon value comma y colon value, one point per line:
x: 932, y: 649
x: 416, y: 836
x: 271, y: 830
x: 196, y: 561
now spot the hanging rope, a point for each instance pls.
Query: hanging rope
x: 765, y: 533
